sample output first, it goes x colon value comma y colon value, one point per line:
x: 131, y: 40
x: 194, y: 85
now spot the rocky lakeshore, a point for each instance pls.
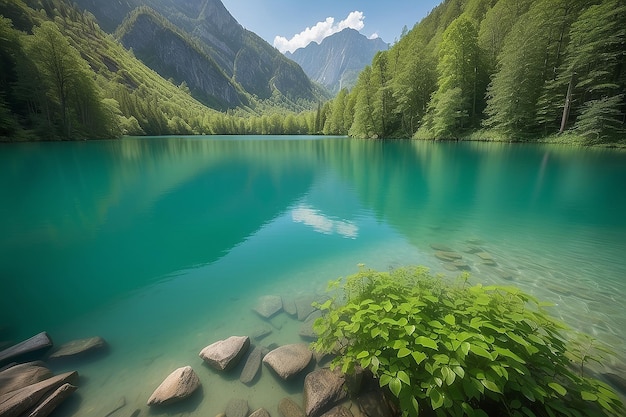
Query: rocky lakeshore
x: 28, y: 387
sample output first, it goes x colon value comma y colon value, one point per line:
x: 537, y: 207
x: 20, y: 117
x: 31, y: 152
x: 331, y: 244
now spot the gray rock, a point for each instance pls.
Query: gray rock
x: 19, y: 401
x: 252, y: 365
x: 306, y: 329
x: 448, y: 256
x: 288, y: 408
x: 289, y: 306
x: 268, y: 305
x: 179, y: 385
x: 323, y: 388
x: 23, y: 375
x: 289, y: 360
x: 37, y: 343
x: 440, y: 247
x: 78, y: 347
x: 463, y: 266
x: 261, y: 412
x: 339, y: 411
x: 52, y: 401
x: 225, y: 354
x: 237, y: 408
x: 374, y: 404
x: 304, y: 307
x: 261, y: 333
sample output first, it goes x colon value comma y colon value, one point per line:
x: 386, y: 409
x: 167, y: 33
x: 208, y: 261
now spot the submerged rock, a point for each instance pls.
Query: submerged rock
x: 237, y: 408
x: 323, y: 388
x: 252, y: 366
x: 288, y: 408
x: 19, y: 401
x: 52, y: 401
x: 78, y: 347
x: 268, y: 305
x: 289, y: 306
x: 261, y: 333
x: 261, y: 412
x: 441, y: 247
x: 447, y: 256
x: 304, y: 307
x: 289, y: 360
x: 225, y: 354
x: 306, y: 329
x: 38, y: 343
x: 374, y: 404
x: 339, y: 411
x: 23, y: 375
x: 179, y: 385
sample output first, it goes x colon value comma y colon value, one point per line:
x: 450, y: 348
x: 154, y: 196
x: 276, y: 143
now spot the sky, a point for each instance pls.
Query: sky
x: 292, y: 24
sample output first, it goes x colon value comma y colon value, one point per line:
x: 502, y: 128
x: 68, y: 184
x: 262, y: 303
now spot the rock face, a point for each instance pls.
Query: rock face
x: 17, y: 402
x: 289, y: 360
x: 39, y: 342
x: 288, y: 408
x: 268, y: 305
x: 178, y: 385
x: 23, y: 375
x: 323, y: 388
x: 225, y: 354
x: 78, y: 347
x: 252, y: 366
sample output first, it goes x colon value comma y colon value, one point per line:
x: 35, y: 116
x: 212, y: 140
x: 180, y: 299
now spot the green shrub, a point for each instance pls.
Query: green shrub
x: 448, y: 349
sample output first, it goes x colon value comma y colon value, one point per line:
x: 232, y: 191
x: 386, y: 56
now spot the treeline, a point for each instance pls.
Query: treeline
x: 63, y: 78
x: 496, y: 69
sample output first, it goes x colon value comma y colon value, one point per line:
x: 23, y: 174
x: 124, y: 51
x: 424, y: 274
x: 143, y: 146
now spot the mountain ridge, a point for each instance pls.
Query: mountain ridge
x: 338, y: 59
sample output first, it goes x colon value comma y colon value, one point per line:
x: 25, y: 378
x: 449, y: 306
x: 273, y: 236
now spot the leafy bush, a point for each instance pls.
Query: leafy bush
x: 448, y: 349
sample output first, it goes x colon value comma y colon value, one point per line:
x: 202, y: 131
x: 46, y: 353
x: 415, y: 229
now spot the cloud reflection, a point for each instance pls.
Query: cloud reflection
x: 323, y: 224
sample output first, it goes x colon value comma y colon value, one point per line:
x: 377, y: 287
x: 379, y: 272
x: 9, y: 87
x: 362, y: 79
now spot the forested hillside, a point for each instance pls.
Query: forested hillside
x: 496, y: 69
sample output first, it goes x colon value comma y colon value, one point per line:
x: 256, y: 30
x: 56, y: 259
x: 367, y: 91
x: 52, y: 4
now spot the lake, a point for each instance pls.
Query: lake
x: 163, y: 245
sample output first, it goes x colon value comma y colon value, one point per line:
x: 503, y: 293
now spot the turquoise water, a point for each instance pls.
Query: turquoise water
x: 163, y: 245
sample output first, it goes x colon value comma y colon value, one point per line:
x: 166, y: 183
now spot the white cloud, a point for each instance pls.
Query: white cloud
x: 323, y: 224
x: 320, y: 31
x: 374, y: 36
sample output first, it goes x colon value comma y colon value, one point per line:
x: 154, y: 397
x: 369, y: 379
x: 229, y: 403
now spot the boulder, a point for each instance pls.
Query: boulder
x: 323, y: 388
x: 447, y: 256
x: 261, y: 412
x: 374, y: 404
x: 339, y: 411
x: 23, y: 375
x: 237, y: 408
x: 225, y: 354
x: 19, y: 401
x: 261, y: 333
x: 179, y: 385
x: 289, y: 360
x: 441, y: 247
x: 78, y: 347
x: 304, y: 307
x: 45, y: 407
x: 288, y: 408
x: 268, y: 305
x: 306, y: 329
x: 38, y: 343
x: 252, y: 366
x: 289, y: 306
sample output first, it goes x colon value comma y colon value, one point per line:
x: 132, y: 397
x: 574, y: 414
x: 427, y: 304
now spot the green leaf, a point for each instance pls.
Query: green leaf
x: 450, y: 319
x: 409, y: 329
x: 507, y: 353
x: 404, y: 352
x: 418, y: 357
x: 481, y: 352
x: 436, y: 398
x: 465, y: 348
x: 491, y: 386
x: 404, y: 377
x: 375, y: 332
x: 363, y: 354
x: 459, y: 371
x: 426, y: 342
x: 588, y: 396
x: 416, y: 405
x: 395, y: 385
x: 558, y: 388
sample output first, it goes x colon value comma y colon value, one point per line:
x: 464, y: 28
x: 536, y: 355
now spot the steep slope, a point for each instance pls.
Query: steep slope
x: 242, y: 56
x: 337, y: 60
x: 175, y: 57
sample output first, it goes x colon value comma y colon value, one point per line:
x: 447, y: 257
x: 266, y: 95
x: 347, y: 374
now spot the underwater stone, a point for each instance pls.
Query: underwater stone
x: 237, y: 408
x: 289, y: 360
x: 78, y: 347
x: 268, y: 305
x: 261, y: 412
x: 39, y: 342
x: 252, y: 365
x: 19, y: 401
x: 225, y: 354
x: 288, y: 408
x: 179, y: 385
x: 23, y: 375
x: 322, y: 389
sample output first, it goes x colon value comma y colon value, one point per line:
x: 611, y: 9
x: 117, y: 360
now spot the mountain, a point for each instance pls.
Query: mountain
x: 337, y: 61
x: 201, y: 33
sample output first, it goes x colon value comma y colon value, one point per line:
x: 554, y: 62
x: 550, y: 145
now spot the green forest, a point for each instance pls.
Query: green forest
x: 472, y: 69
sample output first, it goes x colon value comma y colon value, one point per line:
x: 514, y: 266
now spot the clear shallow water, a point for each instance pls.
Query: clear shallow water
x: 163, y: 245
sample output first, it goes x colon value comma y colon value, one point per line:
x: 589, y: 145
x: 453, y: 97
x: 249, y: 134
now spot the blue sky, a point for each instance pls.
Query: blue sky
x: 297, y: 22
